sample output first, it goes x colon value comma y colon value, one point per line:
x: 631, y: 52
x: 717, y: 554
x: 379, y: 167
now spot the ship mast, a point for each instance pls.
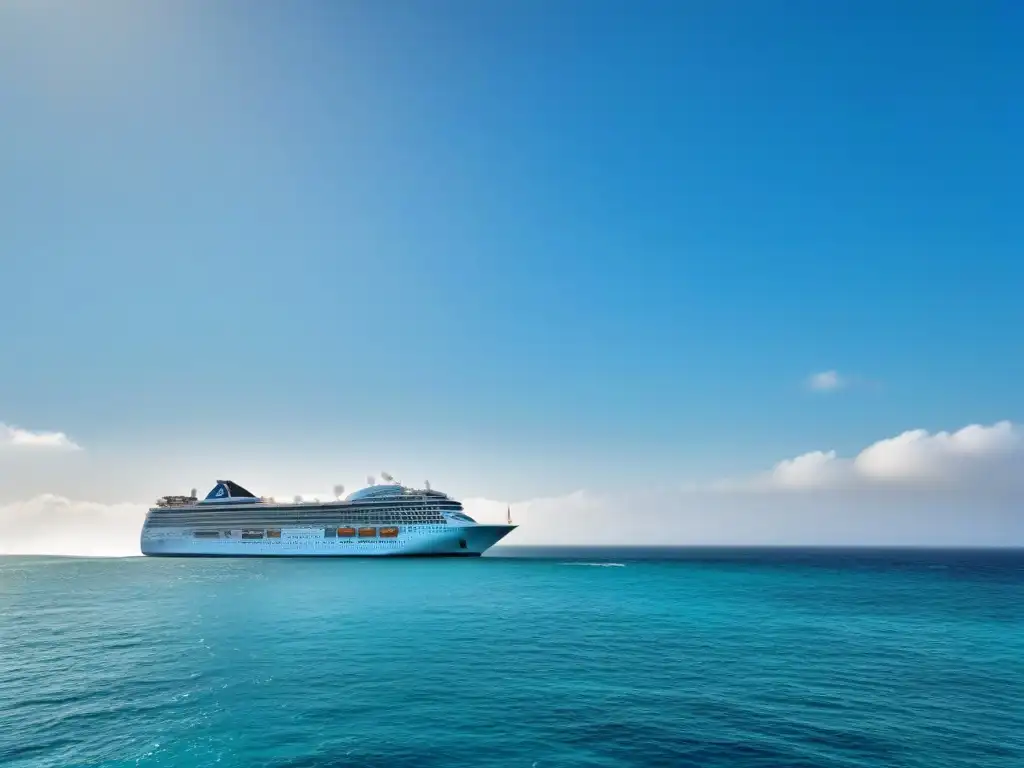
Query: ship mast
x: 508, y: 514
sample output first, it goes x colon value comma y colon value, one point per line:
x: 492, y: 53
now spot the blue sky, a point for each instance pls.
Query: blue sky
x: 534, y: 245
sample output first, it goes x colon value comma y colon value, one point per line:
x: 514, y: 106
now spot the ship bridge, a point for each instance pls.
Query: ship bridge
x: 377, y: 492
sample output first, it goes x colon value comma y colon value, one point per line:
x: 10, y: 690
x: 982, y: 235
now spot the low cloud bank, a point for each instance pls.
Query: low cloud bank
x: 943, y: 489
x: 964, y: 488
x: 889, y: 517
x: 54, y: 525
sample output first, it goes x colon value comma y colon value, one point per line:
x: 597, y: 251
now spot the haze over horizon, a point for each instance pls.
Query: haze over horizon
x: 650, y: 273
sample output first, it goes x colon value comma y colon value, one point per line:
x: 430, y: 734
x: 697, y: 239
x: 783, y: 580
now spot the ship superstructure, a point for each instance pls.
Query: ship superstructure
x: 378, y: 520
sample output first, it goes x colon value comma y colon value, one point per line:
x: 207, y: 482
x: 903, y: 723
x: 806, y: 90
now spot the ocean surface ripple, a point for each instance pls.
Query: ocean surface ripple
x: 680, y: 658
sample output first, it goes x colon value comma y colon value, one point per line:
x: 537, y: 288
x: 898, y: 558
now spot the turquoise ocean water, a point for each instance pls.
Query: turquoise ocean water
x: 554, y: 658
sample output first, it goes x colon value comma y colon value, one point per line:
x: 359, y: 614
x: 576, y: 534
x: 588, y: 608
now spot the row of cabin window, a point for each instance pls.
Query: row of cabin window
x: 327, y: 524
x: 381, y: 519
x: 311, y: 512
x: 385, y: 532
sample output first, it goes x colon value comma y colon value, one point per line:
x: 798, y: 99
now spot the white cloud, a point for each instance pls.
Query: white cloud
x: 916, y: 455
x: 16, y: 437
x: 811, y: 470
x: 977, y: 456
x: 826, y: 381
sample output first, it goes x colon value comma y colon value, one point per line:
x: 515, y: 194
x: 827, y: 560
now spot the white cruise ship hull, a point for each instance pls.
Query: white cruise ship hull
x: 411, y: 541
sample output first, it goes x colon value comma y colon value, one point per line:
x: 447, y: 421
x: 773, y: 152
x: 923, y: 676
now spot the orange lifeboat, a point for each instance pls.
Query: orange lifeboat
x: 367, y: 533
x: 346, y: 531
x: 388, y: 533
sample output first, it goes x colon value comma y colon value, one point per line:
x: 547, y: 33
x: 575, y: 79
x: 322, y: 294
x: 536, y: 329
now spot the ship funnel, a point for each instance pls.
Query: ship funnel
x: 194, y: 494
x: 426, y: 483
x: 338, y: 491
x: 370, y: 480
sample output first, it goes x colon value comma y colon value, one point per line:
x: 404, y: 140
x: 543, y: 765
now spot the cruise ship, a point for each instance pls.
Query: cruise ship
x: 380, y: 520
